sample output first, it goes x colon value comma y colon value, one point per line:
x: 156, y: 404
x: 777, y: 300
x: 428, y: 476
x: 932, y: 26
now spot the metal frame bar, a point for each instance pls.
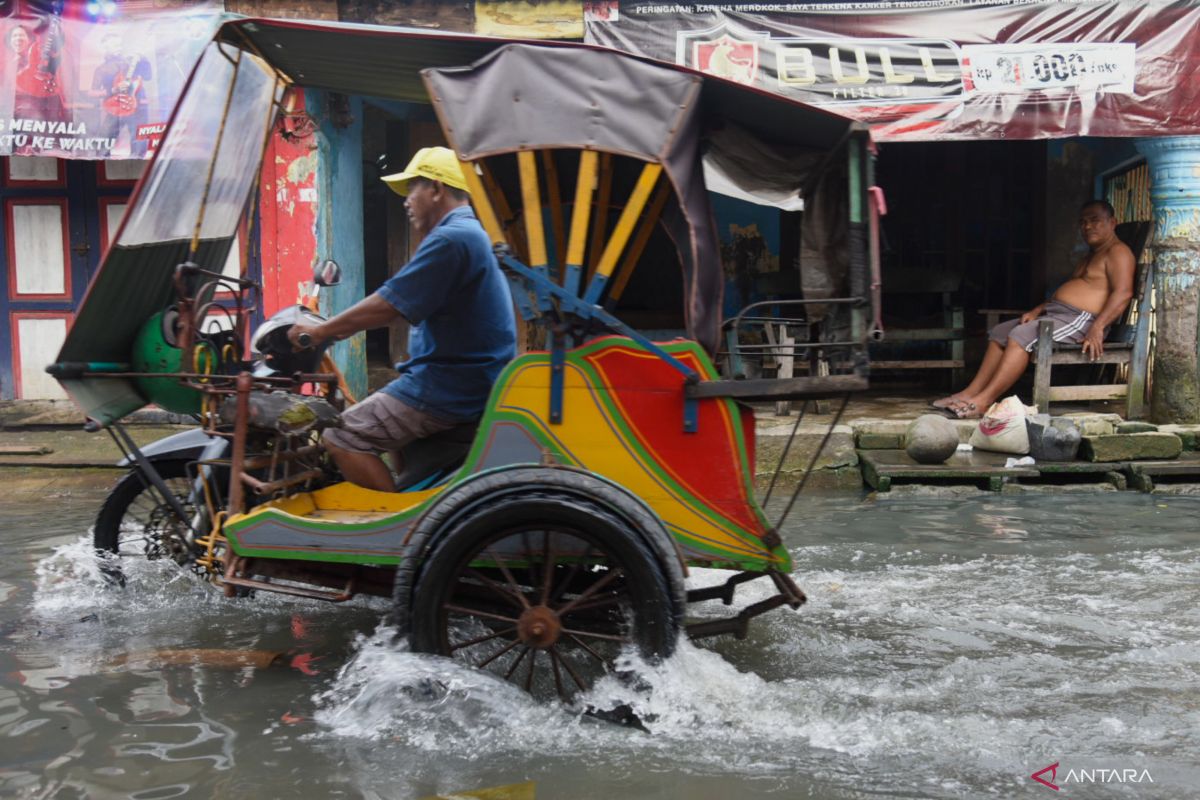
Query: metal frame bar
x: 146, y: 467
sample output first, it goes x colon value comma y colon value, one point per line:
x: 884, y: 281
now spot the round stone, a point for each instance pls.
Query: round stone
x: 931, y: 439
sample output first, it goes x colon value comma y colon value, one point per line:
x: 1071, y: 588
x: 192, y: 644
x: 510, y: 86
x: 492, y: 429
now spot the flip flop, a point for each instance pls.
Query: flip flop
x: 968, y: 411
x: 944, y: 403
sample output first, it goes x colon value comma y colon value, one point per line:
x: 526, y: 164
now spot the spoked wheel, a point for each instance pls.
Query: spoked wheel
x: 136, y: 521
x: 545, y: 591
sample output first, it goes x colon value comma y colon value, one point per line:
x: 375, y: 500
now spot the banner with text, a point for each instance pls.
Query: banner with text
x: 72, y: 86
x: 941, y: 69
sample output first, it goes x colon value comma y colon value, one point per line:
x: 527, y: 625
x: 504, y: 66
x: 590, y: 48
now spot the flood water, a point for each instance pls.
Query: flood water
x: 950, y: 648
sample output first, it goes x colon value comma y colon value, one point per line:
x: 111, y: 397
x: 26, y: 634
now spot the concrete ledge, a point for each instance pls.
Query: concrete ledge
x: 1186, y: 433
x: 1131, y: 447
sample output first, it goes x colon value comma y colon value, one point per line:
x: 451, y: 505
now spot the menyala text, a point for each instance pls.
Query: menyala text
x: 45, y: 127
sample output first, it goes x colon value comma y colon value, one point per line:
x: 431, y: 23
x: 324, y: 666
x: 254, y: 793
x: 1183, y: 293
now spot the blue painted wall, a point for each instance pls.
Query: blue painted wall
x: 339, y: 227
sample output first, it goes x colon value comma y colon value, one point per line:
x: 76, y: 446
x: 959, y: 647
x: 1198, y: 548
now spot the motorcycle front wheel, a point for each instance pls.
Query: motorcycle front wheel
x: 136, y: 521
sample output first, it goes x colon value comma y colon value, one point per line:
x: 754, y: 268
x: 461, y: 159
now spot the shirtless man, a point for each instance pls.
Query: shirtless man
x: 1081, y: 310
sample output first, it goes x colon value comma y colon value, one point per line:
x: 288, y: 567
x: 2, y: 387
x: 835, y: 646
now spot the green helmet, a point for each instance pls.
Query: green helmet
x: 156, y: 350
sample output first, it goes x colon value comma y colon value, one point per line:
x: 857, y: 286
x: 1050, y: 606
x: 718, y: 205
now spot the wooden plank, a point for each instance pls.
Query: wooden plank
x: 1076, y: 357
x: 600, y: 216
x: 973, y: 465
x: 948, y: 363
x: 922, y: 334
x: 24, y: 450
x: 648, y: 224
x: 957, y: 350
x: 482, y: 203
x: 774, y: 389
x: 1112, y: 391
x: 770, y: 358
x: 1186, y: 464
x: 1076, y: 467
x: 514, y: 234
x: 531, y: 208
x: 628, y: 219
x: 554, y: 200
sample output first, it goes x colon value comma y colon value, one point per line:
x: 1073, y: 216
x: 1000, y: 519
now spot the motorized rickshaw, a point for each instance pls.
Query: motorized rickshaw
x: 605, y: 465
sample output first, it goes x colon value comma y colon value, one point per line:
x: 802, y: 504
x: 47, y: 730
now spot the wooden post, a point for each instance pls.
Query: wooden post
x: 1139, y: 359
x: 786, y: 359
x: 1041, y: 374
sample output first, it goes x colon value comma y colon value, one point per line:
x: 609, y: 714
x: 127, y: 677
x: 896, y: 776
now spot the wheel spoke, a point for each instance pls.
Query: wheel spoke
x: 499, y: 653
x: 476, y: 612
x: 570, y: 670
x: 547, y: 567
x: 600, y: 603
x: 558, y: 684
x: 517, y: 600
x: 516, y: 664
x: 608, y: 637
x: 479, y: 639
x: 608, y: 664
x: 529, y: 675
x: 509, y: 577
x: 562, y: 587
x: 612, y: 575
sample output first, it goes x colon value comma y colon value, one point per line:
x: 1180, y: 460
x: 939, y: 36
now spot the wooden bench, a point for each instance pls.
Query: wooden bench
x: 909, y: 283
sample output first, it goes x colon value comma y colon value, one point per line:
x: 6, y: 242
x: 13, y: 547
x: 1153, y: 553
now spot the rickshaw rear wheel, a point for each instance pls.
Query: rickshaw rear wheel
x: 135, y: 521
x: 546, y: 589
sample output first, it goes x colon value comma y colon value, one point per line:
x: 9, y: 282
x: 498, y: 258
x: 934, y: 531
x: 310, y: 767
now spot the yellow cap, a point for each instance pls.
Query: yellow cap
x: 434, y: 163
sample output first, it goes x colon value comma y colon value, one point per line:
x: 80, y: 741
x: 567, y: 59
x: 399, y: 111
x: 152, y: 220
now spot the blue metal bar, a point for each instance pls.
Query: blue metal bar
x: 521, y: 298
x: 596, y: 289
x: 523, y: 278
x: 570, y: 304
x: 558, y: 360
x: 574, y: 276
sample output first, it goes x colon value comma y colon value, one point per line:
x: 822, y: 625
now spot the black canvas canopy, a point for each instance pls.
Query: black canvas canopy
x: 574, y: 96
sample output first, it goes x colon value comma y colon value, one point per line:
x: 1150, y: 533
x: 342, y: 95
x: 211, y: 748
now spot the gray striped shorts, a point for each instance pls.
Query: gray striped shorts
x: 1070, y: 325
x: 382, y: 423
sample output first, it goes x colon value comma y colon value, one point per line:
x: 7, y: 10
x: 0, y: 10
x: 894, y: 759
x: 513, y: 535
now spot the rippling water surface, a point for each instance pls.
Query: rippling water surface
x: 949, y: 649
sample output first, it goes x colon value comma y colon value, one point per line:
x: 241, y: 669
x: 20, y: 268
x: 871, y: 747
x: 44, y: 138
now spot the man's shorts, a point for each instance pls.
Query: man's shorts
x: 382, y: 423
x: 1070, y: 325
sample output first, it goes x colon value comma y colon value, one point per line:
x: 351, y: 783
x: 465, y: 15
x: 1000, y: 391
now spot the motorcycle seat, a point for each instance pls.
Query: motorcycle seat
x: 428, y: 457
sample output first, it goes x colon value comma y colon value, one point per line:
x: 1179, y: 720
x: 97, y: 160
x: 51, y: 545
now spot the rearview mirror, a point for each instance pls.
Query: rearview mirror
x: 327, y: 273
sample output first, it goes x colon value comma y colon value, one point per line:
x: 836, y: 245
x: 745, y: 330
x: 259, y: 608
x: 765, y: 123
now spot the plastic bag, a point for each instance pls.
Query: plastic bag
x: 1002, y: 429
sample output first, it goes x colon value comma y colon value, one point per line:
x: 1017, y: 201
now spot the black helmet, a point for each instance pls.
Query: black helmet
x: 275, y: 353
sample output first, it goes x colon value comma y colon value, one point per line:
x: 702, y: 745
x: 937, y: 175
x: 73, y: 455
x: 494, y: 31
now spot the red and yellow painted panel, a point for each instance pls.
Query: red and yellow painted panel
x: 622, y: 419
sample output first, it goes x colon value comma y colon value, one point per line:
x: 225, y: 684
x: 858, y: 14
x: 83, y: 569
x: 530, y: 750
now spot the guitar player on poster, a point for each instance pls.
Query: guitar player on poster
x: 120, y: 84
x: 33, y: 59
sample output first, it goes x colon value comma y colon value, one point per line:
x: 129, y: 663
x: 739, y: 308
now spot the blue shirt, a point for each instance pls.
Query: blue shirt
x: 463, y: 331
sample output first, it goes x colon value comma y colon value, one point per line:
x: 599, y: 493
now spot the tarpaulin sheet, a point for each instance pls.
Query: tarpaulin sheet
x: 77, y: 83
x: 940, y: 69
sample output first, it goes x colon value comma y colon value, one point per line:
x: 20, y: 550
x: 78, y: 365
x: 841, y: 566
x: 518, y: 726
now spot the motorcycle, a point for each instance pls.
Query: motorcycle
x: 157, y: 509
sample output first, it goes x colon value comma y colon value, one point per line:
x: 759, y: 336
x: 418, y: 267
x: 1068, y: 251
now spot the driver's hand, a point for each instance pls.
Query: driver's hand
x: 295, y: 332
x: 1028, y: 316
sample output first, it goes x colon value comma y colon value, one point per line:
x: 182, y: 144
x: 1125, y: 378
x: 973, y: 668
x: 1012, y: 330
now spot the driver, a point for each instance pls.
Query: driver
x: 463, y: 331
